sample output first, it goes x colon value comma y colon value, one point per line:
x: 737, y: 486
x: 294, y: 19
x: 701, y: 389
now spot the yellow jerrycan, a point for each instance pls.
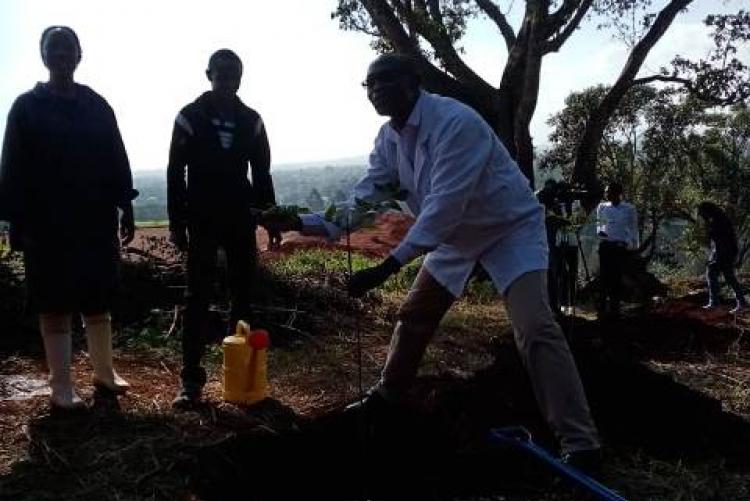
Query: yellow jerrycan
x: 245, y: 373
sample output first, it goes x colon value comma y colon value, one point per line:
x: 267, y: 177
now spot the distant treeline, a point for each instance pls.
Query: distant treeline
x: 312, y: 187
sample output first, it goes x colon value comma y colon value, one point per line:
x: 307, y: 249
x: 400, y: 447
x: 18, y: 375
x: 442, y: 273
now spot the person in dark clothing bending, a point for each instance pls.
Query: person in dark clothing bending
x: 723, y: 255
x: 64, y: 173
x: 215, y: 137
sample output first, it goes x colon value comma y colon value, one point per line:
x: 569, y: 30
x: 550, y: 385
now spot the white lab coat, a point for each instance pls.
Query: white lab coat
x: 471, y: 202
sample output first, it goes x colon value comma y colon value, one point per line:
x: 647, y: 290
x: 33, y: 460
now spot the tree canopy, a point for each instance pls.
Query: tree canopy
x: 431, y: 31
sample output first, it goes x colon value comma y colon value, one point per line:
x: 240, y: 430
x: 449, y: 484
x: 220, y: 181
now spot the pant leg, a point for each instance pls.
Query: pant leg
x: 201, y: 271
x: 605, y: 275
x: 549, y: 363
x: 418, y: 318
x: 242, y: 262
x: 712, y: 277
x: 555, y: 278
x: 731, y: 278
x: 569, y: 274
x: 617, y: 265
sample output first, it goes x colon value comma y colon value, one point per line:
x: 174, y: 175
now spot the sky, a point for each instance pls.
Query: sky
x: 302, y: 73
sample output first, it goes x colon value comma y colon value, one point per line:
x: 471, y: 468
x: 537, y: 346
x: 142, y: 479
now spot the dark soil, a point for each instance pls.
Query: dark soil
x: 439, y: 450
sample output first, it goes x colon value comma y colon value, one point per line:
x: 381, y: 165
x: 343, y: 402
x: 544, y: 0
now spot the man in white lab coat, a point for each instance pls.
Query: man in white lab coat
x: 472, y: 205
x: 617, y: 228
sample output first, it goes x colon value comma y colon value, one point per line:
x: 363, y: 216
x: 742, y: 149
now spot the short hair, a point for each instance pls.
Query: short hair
x: 402, y: 64
x: 710, y: 209
x: 223, y: 54
x: 65, y: 29
x: 615, y: 186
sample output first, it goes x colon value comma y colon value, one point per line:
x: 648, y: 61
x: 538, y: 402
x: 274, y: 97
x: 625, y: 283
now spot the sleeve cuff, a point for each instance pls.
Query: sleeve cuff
x: 316, y: 225
x: 128, y: 197
x: 405, y: 252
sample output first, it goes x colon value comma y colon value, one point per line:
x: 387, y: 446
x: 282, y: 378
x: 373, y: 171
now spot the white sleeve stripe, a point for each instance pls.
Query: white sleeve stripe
x: 183, y: 122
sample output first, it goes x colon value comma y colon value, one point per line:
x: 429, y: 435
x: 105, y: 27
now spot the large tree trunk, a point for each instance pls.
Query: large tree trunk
x: 584, y: 170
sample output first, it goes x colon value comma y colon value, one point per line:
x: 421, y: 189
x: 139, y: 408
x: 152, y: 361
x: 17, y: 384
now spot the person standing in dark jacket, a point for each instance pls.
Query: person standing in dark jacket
x: 215, y: 137
x: 63, y: 176
x: 723, y: 255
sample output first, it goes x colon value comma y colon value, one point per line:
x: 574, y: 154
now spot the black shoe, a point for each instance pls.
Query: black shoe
x: 188, y: 398
x: 373, y: 404
x: 588, y: 461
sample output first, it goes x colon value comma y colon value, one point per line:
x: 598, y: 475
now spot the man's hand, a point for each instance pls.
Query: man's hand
x: 275, y: 220
x: 127, y: 225
x: 274, y: 240
x: 179, y: 238
x: 373, y: 277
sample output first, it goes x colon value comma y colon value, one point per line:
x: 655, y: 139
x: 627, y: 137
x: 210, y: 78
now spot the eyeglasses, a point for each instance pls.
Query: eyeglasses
x: 382, y: 78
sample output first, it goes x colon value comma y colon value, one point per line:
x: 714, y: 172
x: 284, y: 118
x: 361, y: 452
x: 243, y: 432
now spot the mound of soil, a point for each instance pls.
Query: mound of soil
x: 439, y: 449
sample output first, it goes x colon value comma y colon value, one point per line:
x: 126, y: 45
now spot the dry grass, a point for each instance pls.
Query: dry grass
x: 141, y: 450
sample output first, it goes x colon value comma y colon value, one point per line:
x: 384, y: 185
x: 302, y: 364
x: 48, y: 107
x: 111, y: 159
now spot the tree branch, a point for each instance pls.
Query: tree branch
x: 435, y: 79
x: 554, y: 44
x: 691, y: 88
x: 558, y: 18
x: 434, y: 9
x: 493, y: 12
x: 388, y: 23
x: 584, y: 170
x: 437, y: 37
x: 660, y: 78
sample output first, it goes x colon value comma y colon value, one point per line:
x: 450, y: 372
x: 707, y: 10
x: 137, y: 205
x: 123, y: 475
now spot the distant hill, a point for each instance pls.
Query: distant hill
x: 313, y: 185
x: 340, y: 162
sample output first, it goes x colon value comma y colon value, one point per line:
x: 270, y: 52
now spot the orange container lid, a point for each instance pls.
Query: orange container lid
x: 259, y: 339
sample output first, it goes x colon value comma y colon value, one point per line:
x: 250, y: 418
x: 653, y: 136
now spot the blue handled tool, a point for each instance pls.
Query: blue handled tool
x: 519, y: 438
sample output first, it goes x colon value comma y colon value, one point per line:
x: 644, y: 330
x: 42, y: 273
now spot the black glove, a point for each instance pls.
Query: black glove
x: 373, y: 277
x: 179, y: 238
x: 127, y: 225
x: 274, y: 240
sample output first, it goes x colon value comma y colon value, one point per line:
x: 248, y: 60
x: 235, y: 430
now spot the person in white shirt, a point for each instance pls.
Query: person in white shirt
x: 617, y: 228
x: 472, y: 205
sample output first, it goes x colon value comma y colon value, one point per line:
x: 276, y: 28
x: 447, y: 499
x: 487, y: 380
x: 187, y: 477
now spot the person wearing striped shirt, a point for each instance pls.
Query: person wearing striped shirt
x: 215, y: 138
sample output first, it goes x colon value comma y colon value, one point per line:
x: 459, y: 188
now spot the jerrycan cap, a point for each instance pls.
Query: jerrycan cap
x: 243, y: 328
x: 259, y: 339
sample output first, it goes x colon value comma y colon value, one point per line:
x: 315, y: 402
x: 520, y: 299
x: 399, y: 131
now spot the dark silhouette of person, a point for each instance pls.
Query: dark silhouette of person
x: 723, y: 255
x: 562, y: 273
x: 472, y: 205
x: 64, y: 175
x: 215, y: 137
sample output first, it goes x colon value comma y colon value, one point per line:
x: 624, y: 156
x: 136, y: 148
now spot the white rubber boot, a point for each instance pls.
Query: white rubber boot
x: 99, y: 337
x: 56, y: 336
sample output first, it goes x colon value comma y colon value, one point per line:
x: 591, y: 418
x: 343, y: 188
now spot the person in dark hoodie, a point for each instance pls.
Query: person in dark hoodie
x: 64, y: 174
x: 215, y: 138
x: 723, y: 255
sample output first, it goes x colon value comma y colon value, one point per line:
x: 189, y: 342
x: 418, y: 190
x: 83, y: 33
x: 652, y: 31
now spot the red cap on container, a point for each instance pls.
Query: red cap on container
x: 259, y: 339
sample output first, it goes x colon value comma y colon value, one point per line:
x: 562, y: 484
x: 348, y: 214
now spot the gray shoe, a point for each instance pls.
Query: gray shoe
x: 740, y: 308
x: 188, y: 398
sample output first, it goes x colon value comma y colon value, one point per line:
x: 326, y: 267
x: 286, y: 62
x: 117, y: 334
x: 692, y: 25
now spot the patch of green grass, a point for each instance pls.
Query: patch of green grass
x: 317, y: 262
x: 152, y: 224
x: 152, y: 334
x: 323, y: 263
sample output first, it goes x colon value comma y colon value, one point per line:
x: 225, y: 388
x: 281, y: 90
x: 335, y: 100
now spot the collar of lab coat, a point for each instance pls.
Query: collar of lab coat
x: 414, y: 121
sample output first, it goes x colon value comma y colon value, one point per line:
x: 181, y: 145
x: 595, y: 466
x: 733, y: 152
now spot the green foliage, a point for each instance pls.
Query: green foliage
x: 670, y: 152
x: 318, y: 262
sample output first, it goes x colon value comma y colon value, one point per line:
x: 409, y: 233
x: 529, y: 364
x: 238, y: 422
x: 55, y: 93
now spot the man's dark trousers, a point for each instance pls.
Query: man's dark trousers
x: 612, y: 261
x: 237, y: 238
